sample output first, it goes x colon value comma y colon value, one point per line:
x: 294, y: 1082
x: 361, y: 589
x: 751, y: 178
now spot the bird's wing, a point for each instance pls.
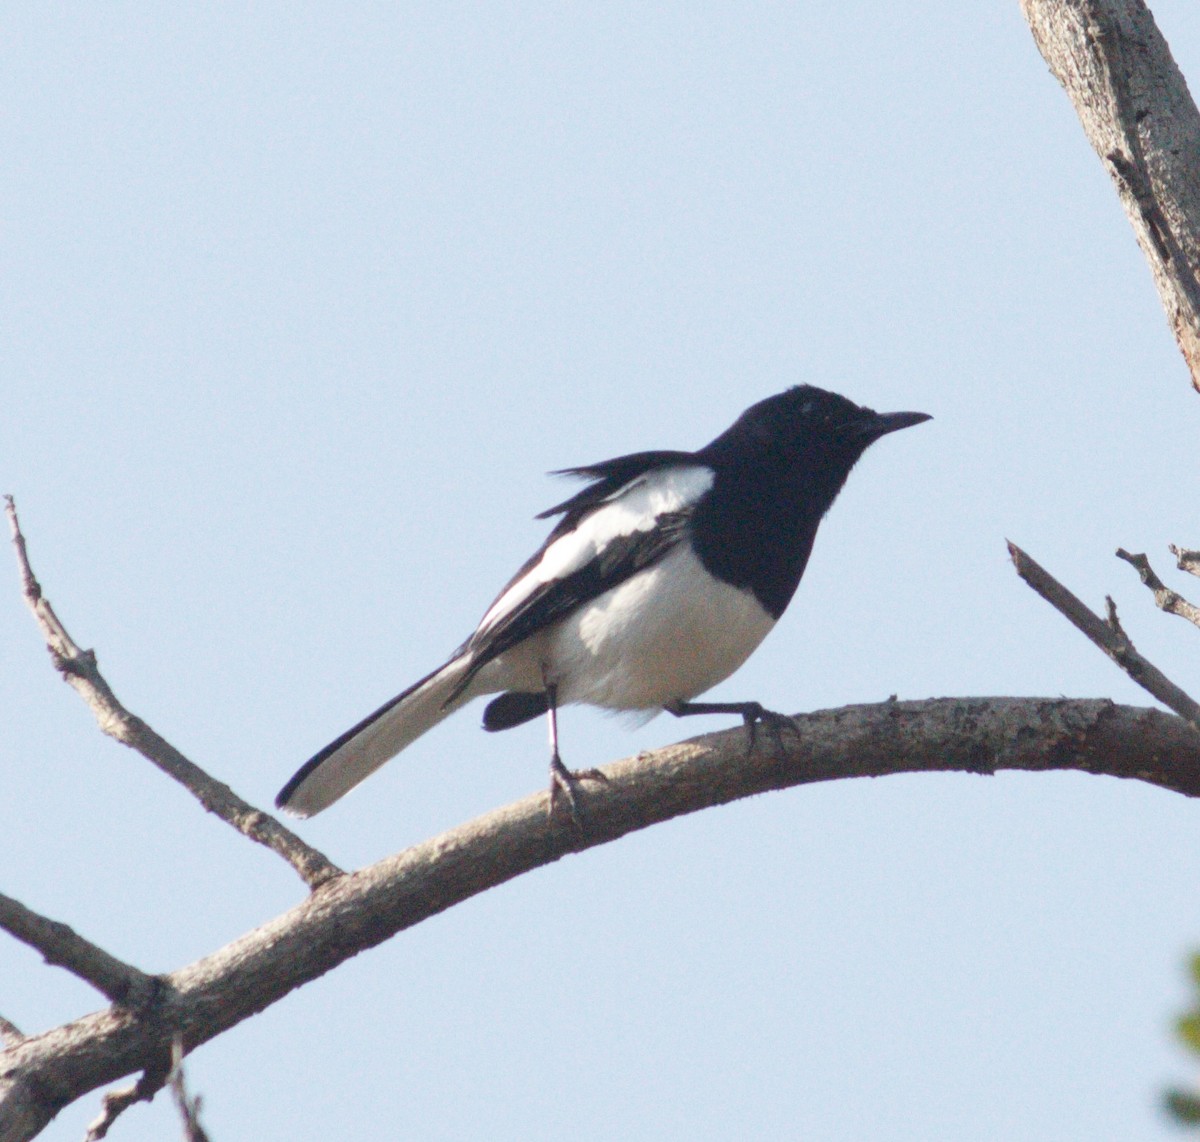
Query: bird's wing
x: 609, y: 479
x: 607, y: 535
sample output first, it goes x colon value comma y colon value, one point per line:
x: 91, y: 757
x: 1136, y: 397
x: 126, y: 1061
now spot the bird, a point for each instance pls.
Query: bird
x: 659, y: 579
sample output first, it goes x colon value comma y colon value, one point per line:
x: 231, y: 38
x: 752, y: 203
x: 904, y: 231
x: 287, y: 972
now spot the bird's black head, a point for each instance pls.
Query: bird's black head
x: 778, y: 468
x: 806, y: 425
x: 810, y: 420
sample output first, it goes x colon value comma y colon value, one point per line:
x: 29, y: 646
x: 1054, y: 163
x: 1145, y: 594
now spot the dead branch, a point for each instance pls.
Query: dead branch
x: 349, y: 914
x: 62, y: 946
x: 1108, y: 635
x: 1137, y: 113
x: 1164, y: 598
x: 1186, y: 559
x: 78, y: 667
x: 187, y: 1105
x: 116, y: 1102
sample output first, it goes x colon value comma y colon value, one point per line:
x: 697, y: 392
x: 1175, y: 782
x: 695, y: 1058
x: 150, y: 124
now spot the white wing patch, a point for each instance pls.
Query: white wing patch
x: 635, y: 507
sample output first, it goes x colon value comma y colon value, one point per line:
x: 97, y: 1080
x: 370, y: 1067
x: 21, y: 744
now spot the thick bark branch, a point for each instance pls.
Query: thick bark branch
x: 1137, y: 113
x: 78, y: 667
x: 349, y: 914
x: 64, y: 947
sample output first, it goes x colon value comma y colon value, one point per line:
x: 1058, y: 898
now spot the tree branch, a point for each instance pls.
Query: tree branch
x: 116, y: 1102
x: 78, y: 667
x: 62, y: 946
x: 1137, y: 113
x: 1109, y: 636
x: 352, y: 913
x: 1164, y: 598
x: 1186, y: 559
x: 187, y: 1105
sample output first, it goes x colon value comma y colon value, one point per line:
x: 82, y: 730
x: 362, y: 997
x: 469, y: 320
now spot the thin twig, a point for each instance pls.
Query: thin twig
x: 63, y: 947
x: 78, y: 667
x: 10, y: 1032
x: 116, y: 1102
x: 188, y: 1107
x: 1186, y: 559
x: 1165, y: 599
x: 1108, y: 636
x: 112, y: 1106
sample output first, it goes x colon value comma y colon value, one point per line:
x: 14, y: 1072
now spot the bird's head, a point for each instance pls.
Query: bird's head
x: 809, y: 420
x: 806, y: 427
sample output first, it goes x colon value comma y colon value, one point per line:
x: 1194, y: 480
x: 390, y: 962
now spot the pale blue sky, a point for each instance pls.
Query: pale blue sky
x: 299, y: 304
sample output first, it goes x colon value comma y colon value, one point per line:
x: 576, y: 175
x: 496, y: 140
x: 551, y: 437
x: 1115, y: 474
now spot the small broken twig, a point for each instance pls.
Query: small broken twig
x: 1109, y: 636
x: 1186, y: 559
x: 10, y: 1032
x: 189, y: 1107
x: 78, y: 667
x: 116, y: 1102
x: 62, y: 946
x: 1164, y: 598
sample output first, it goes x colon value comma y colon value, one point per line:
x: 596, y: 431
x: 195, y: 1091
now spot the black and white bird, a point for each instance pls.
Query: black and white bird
x: 659, y: 580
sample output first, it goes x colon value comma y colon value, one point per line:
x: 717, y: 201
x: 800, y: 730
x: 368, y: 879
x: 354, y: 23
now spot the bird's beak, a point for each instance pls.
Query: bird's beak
x: 886, y: 422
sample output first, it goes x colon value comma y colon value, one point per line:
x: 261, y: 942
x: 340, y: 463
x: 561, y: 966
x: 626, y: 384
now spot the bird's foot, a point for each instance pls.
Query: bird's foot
x: 562, y: 786
x: 754, y: 715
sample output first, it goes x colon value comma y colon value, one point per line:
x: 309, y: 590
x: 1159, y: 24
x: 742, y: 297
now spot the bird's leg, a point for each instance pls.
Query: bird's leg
x: 753, y: 714
x: 560, y: 775
x: 563, y: 780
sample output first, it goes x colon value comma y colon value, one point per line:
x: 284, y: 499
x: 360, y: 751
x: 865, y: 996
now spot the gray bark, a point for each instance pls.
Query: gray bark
x: 1139, y: 116
x: 43, y: 1073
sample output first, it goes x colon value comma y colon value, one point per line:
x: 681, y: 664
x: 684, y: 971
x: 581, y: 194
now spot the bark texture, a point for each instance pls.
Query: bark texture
x: 1139, y: 116
x: 41, y: 1074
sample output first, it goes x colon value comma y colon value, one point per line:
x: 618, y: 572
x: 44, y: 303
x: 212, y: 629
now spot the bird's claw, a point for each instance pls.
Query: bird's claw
x: 562, y: 785
x: 756, y: 715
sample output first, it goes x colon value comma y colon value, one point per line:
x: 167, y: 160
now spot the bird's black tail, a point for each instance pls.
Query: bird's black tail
x: 361, y: 750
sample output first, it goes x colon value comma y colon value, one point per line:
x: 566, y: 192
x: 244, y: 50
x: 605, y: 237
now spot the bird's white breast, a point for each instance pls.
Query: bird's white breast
x: 668, y: 633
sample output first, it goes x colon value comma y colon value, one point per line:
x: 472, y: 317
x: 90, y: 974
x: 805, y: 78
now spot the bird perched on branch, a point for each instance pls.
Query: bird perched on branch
x: 658, y: 581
